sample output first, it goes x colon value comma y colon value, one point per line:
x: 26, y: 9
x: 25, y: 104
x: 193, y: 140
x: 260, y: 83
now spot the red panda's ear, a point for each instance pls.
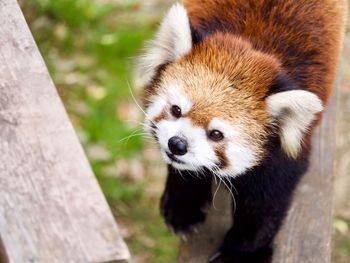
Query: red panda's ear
x: 294, y: 111
x: 173, y: 41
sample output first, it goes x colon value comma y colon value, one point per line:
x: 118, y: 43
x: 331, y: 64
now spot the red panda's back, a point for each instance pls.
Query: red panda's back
x: 305, y: 35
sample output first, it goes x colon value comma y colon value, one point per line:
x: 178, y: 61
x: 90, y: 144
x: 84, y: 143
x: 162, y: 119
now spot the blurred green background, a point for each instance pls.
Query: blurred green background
x: 89, y: 47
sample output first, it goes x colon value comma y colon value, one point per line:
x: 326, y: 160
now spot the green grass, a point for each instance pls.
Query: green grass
x: 88, y: 47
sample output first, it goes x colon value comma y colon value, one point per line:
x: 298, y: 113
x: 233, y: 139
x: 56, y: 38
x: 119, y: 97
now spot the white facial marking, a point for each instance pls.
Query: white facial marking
x: 163, y: 101
x: 176, y: 98
x: 240, y: 157
x: 157, y: 105
x: 295, y: 111
x: 224, y: 127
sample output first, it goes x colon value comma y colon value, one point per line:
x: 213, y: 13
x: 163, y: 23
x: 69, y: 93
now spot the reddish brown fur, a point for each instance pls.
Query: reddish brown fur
x: 246, y: 86
x: 220, y: 153
x: 161, y: 116
x: 304, y: 35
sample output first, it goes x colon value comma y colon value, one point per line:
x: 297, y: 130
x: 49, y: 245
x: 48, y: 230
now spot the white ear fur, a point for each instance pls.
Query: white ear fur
x: 295, y: 110
x: 172, y: 41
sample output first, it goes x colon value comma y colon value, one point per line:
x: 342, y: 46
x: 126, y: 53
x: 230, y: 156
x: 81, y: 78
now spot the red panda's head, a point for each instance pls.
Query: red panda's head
x: 212, y: 104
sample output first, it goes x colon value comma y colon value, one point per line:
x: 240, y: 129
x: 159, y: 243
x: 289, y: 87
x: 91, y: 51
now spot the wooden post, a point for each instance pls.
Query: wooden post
x: 51, y: 207
x: 306, y: 234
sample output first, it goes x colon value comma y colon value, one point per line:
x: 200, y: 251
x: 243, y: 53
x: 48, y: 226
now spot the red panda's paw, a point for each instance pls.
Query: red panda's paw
x: 182, y: 216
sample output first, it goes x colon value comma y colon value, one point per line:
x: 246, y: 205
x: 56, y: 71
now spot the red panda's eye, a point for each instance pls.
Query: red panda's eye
x: 216, y: 135
x: 176, y: 111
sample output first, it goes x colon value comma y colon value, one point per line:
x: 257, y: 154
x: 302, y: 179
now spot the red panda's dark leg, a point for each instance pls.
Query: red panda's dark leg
x: 248, y: 241
x: 262, y: 201
x: 185, y: 199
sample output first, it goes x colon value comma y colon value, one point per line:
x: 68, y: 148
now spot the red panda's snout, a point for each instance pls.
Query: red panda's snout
x: 191, y: 138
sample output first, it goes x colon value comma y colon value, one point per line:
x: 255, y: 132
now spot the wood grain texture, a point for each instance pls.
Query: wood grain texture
x: 306, y: 234
x: 200, y: 246
x: 51, y: 207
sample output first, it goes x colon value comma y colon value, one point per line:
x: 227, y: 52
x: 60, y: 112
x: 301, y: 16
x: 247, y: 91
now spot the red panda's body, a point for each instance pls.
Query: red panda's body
x: 234, y: 90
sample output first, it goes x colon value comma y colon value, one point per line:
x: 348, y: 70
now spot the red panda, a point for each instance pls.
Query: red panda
x: 234, y: 89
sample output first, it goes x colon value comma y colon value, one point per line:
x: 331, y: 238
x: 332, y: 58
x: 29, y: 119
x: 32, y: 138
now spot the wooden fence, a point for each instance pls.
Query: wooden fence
x: 51, y: 207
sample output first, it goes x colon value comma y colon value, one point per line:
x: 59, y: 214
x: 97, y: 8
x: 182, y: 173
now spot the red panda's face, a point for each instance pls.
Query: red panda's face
x: 210, y: 105
x: 208, y: 109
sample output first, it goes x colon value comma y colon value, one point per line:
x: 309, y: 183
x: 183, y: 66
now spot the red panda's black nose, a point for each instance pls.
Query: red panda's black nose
x: 177, y: 145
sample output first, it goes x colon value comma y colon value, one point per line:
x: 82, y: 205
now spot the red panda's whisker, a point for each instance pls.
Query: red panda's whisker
x: 223, y: 181
x: 215, y: 193
x: 133, y: 134
x: 134, y: 99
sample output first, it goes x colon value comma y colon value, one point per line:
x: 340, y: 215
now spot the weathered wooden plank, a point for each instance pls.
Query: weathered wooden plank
x: 306, y: 234
x: 51, y: 207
